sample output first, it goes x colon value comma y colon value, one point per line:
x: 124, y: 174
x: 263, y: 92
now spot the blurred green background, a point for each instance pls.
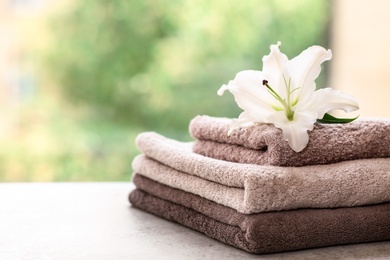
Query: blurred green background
x: 104, y: 71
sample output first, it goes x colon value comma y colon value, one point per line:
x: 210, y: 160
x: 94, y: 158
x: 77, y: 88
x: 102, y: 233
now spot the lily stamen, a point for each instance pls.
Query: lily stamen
x: 286, y: 104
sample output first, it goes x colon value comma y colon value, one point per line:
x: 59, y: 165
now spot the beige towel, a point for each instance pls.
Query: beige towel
x: 253, y: 188
x: 264, y: 144
x: 264, y: 232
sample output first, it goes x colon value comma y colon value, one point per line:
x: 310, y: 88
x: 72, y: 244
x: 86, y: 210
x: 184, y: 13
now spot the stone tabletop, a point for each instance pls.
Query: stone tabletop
x: 95, y: 221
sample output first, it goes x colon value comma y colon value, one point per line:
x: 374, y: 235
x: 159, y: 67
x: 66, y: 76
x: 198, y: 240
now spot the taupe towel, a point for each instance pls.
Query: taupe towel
x: 264, y: 232
x: 252, y: 188
x: 264, y: 144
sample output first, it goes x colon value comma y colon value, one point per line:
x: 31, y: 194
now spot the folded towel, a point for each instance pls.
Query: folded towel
x: 264, y: 144
x: 252, y: 188
x: 264, y: 232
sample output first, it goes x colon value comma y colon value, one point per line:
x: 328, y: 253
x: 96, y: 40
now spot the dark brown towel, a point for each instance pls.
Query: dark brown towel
x: 264, y: 144
x: 263, y: 232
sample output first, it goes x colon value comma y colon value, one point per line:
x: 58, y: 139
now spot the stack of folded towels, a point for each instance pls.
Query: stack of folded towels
x: 252, y: 191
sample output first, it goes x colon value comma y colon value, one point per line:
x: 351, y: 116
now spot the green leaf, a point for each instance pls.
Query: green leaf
x: 329, y: 119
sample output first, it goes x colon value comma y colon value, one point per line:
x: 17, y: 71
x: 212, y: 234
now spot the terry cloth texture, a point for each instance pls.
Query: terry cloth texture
x: 263, y: 232
x: 264, y: 143
x: 250, y: 188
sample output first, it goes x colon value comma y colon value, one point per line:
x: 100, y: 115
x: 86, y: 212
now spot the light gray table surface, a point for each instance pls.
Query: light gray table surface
x: 95, y: 221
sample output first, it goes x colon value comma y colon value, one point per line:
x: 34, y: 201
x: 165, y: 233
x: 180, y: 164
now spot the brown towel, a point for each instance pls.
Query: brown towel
x: 264, y: 232
x: 252, y: 188
x: 264, y: 144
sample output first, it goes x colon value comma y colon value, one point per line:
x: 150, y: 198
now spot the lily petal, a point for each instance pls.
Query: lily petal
x: 295, y: 132
x: 304, y: 69
x: 273, y: 65
x: 327, y: 99
x: 249, y: 93
x: 255, y: 107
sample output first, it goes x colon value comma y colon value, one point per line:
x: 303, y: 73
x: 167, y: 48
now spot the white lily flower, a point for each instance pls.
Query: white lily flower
x: 284, y: 94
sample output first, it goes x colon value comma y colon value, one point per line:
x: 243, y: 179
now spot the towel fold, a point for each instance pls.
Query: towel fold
x: 264, y: 144
x: 251, y: 188
x: 264, y: 232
